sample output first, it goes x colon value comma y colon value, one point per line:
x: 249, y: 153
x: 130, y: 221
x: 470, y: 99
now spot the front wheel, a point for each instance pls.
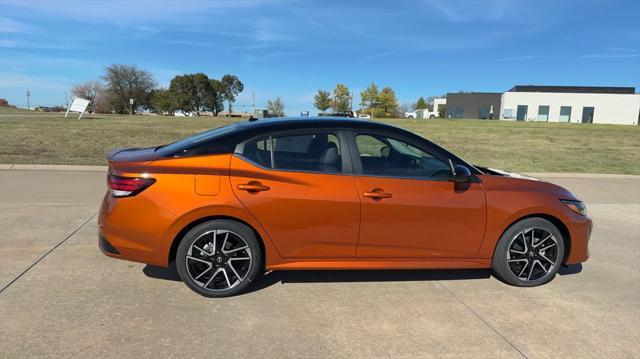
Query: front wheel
x: 529, y: 253
x: 219, y: 258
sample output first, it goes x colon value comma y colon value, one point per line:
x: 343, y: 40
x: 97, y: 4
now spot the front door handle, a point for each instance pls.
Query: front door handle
x: 253, y: 186
x: 377, y: 193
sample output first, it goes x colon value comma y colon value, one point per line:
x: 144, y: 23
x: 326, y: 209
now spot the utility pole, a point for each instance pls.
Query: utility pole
x: 130, y: 106
x: 253, y: 101
x: 28, y: 100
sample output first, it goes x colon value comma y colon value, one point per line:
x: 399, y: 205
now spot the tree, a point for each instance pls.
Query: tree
x: 322, y: 100
x: 388, y: 102
x: 184, y: 91
x: 369, y: 98
x: 406, y: 107
x: 163, y: 101
x: 126, y: 82
x: 94, y: 91
x: 275, y: 107
x: 421, y: 104
x: 192, y: 92
x: 215, y: 97
x: 202, y: 90
x: 232, y: 87
x: 341, y: 98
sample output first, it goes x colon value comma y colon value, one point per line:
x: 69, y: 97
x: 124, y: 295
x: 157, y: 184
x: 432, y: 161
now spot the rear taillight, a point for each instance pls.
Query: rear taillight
x: 127, y: 186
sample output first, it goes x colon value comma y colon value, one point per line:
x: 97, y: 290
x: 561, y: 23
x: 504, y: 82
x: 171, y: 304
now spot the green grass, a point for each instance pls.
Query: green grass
x: 524, y: 147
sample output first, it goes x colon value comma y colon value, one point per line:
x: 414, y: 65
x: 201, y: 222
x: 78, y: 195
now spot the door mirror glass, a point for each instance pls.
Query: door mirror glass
x: 461, y: 174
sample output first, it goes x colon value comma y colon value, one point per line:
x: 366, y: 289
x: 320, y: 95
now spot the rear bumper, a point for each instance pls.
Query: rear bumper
x: 133, y: 229
x: 580, y: 229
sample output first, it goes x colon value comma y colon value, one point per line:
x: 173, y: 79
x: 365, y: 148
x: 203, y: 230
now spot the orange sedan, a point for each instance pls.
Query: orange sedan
x: 330, y: 193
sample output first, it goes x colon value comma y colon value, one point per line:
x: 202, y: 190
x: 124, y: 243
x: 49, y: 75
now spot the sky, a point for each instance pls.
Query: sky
x: 292, y: 48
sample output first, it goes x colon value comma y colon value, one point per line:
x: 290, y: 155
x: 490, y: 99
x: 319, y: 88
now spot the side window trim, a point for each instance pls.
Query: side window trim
x: 340, y: 133
x: 357, y: 163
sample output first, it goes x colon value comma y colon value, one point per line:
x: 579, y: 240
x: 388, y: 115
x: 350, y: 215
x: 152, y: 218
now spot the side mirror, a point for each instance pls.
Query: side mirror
x: 461, y: 174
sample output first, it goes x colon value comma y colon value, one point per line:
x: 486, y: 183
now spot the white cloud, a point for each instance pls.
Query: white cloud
x: 520, y: 58
x: 12, y: 26
x: 466, y: 11
x: 609, y: 56
x: 127, y: 12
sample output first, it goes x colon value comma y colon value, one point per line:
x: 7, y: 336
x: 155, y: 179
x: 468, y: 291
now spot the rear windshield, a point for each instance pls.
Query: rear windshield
x: 193, y: 141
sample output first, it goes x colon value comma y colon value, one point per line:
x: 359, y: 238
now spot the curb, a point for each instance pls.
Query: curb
x: 581, y: 175
x: 80, y: 168
x: 70, y: 168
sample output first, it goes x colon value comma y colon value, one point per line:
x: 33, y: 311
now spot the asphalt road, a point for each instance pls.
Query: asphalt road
x: 61, y: 297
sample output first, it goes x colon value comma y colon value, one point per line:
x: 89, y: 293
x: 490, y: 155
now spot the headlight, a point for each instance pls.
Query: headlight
x: 576, y: 206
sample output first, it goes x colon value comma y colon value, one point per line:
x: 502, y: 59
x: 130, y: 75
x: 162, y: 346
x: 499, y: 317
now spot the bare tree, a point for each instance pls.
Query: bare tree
x: 276, y: 107
x: 94, y: 91
x: 125, y: 82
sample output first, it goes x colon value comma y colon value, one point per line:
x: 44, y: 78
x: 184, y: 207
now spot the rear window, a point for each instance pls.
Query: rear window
x: 309, y: 152
x: 201, y: 143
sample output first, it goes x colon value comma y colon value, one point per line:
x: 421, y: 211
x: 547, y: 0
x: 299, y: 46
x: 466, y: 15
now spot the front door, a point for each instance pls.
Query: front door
x: 409, y: 208
x: 521, y: 114
x: 296, y: 188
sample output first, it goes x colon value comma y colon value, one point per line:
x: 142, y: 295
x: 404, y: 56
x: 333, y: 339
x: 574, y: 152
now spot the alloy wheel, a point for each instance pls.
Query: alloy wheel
x: 532, y: 254
x: 218, y: 260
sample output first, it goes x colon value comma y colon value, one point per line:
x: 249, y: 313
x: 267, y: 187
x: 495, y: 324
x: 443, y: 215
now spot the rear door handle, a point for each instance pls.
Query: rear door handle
x: 253, y: 186
x: 377, y: 193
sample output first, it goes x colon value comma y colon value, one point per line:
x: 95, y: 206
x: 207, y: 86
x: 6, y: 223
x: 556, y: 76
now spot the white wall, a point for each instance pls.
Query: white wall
x: 609, y: 108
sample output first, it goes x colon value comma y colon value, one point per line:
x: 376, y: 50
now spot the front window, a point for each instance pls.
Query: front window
x: 314, y: 152
x: 384, y: 156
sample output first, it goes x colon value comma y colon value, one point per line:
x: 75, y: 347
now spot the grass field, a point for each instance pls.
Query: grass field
x: 26, y: 137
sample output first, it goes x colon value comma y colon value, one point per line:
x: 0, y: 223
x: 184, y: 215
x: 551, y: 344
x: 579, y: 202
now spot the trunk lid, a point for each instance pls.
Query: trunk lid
x: 131, y: 160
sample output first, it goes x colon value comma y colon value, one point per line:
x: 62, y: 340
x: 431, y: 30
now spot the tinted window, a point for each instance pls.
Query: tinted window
x: 316, y: 152
x: 201, y: 143
x: 386, y: 156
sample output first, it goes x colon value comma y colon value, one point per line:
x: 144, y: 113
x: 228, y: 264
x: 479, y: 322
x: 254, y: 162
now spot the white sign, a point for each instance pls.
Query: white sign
x: 78, y: 105
x: 130, y: 101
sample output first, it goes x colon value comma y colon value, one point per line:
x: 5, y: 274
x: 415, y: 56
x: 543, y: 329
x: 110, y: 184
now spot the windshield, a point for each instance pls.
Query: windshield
x: 196, y: 139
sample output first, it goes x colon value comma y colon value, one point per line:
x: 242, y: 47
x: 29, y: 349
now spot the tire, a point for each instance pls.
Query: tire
x: 432, y: 117
x: 212, y: 270
x: 410, y: 117
x: 529, y: 253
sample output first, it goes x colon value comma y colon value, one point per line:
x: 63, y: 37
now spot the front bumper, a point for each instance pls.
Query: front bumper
x: 580, y: 229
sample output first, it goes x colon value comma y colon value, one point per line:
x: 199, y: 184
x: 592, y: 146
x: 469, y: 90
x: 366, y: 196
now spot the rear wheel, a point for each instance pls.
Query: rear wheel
x: 219, y: 258
x: 529, y: 253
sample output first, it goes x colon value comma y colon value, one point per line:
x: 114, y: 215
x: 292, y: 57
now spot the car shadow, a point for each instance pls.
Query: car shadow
x: 570, y: 269
x: 336, y: 276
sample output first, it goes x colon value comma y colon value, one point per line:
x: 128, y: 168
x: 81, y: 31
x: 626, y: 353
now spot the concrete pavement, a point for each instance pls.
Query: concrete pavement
x: 73, y: 301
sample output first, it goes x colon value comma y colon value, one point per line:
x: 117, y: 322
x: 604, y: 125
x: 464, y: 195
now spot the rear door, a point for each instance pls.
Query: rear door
x: 301, y: 189
x: 410, y: 209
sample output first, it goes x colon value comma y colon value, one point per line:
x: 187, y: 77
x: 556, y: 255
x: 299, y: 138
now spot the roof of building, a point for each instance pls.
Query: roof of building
x: 573, y: 89
x: 473, y: 93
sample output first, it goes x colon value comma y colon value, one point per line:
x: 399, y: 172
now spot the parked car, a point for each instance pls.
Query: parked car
x: 426, y: 113
x: 310, y: 193
x: 421, y: 113
x: 350, y: 114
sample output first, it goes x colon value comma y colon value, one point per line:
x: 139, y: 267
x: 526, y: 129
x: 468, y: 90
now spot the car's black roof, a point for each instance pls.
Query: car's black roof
x: 284, y: 123
x: 224, y: 139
